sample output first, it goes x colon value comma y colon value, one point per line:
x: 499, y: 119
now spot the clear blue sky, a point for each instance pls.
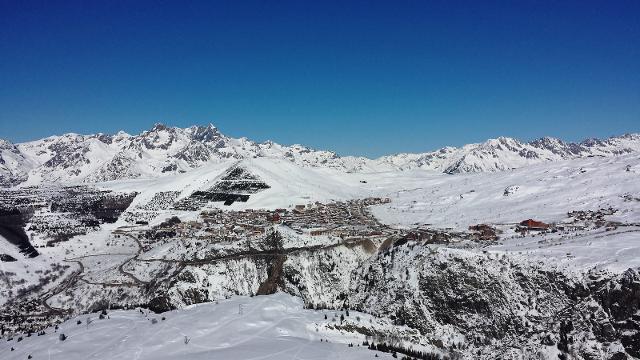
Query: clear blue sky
x: 366, y: 77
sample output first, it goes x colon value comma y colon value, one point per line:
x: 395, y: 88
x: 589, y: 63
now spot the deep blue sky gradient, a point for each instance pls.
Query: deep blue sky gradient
x: 358, y: 77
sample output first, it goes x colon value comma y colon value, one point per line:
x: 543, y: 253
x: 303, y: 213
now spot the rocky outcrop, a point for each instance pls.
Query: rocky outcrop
x: 13, y: 165
x: 620, y: 300
x: 12, y: 223
x: 483, y: 304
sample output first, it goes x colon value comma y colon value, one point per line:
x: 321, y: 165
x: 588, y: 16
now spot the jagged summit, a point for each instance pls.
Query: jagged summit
x: 205, y: 133
x: 158, y: 151
x: 158, y: 127
x: 164, y: 150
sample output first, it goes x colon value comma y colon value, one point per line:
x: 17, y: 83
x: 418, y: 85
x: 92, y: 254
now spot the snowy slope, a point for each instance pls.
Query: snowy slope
x: 290, y: 184
x: 264, y: 327
x: 545, y: 192
x: 611, y: 250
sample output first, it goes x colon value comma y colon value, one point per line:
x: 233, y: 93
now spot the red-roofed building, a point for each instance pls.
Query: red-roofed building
x: 531, y: 224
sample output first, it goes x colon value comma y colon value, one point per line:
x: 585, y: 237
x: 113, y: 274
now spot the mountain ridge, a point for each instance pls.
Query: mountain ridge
x: 164, y: 150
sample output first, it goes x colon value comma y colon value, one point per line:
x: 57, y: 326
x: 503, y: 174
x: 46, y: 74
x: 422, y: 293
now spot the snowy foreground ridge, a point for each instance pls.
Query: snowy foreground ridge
x: 499, y: 250
x: 265, y: 327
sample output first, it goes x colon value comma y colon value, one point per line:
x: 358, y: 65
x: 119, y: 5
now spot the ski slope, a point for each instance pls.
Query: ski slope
x: 289, y: 183
x: 543, y: 192
x: 263, y: 327
x: 615, y: 251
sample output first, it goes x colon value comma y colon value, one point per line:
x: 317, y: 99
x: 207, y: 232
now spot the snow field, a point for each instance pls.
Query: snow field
x: 261, y: 327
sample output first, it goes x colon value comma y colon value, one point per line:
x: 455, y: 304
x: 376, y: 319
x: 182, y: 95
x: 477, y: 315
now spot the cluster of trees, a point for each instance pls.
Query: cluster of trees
x: 407, y: 353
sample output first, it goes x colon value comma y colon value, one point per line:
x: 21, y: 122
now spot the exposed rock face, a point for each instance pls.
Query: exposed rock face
x: 160, y: 304
x: 620, y: 300
x: 275, y: 279
x: 496, y: 304
x: 7, y: 258
x: 13, y: 165
x: 12, y: 223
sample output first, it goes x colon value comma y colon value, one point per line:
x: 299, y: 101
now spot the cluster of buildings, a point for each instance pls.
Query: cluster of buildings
x: 342, y: 219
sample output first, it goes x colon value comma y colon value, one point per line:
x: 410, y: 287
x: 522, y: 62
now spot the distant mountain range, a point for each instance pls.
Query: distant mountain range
x: 166, y: 150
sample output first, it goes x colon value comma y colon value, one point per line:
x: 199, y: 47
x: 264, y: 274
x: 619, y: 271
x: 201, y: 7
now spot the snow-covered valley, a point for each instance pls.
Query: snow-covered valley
x: 533, y: 255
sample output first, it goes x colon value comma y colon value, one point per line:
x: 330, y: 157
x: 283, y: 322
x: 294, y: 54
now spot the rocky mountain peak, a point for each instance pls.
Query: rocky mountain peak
x: 158, y: 127
x: 7, y: 145
x: 547, y: 141
x: 500, y: 143
x: 205, y: 133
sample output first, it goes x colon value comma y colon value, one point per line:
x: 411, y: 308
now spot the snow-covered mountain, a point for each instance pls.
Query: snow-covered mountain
x: 159, y: 151
x: 506, y: 153
x: 164, y: 150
